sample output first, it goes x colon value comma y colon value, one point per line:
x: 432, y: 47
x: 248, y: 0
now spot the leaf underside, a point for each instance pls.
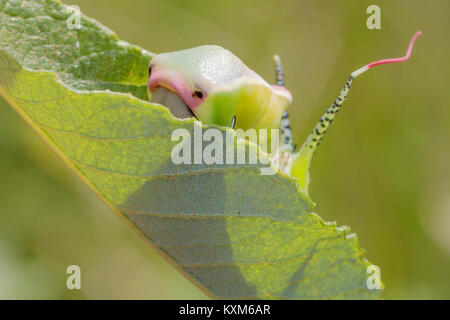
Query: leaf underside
x: 233, y: 232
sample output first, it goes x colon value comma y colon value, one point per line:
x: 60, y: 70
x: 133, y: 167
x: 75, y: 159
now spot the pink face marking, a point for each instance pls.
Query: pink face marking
x: 175, y: 82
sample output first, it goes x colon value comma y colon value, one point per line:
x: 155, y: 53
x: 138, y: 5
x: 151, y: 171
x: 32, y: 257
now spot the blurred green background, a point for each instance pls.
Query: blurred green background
x: 383, y: 169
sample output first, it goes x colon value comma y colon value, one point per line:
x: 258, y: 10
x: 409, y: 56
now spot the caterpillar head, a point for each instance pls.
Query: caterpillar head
x: 213, y: 85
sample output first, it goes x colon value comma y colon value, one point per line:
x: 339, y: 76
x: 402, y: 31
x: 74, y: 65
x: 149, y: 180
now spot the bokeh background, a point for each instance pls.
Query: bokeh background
x: 383, y: 169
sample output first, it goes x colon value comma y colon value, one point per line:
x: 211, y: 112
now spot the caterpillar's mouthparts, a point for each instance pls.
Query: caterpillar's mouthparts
x: 172, y: 101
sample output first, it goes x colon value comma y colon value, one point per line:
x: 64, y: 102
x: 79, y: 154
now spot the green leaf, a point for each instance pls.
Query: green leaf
x: 232, y: 231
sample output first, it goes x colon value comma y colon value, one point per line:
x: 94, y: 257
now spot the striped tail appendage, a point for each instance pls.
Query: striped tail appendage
x: 326, y: 120
x: 285, y: 126
x: 302, y: 161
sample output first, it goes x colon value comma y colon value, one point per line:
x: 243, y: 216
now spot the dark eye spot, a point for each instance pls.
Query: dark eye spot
x: 198, y: 94
x: 150, y: 71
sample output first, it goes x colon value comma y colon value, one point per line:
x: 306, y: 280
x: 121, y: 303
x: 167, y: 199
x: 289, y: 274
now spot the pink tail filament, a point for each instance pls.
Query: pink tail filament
x: 395, y: 60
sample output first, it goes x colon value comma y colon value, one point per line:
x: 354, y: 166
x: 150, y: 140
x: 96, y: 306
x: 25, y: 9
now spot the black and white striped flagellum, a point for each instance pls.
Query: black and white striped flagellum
x: 285, y: 126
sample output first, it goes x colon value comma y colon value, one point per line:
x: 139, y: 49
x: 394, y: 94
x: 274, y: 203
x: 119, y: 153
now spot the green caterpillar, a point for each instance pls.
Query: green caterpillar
x: 216, y: 87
